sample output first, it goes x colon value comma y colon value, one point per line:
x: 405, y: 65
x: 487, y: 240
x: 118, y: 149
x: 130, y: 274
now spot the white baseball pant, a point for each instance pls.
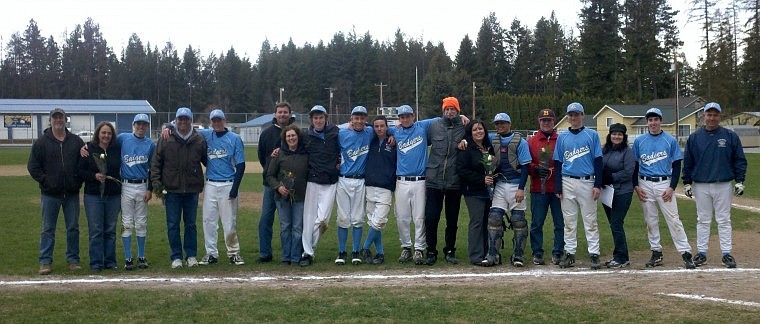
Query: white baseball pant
x: 217, y: 205
x: 714, y: 197
x: 410, y: 206
x: 504, y: 197
x: 317, y: 208
x: 579, y: 193
x: 134, y: 209
x: 654, y: 191
x: 378, y: 206
x: 350, y: 197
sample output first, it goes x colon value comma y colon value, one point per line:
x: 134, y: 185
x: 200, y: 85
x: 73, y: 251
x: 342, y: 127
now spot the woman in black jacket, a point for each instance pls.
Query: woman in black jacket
x: 472, y: 166
x: 619, y: 164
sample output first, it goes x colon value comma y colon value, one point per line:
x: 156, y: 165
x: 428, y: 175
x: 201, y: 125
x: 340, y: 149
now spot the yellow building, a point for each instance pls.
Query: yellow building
x: 749, y: 118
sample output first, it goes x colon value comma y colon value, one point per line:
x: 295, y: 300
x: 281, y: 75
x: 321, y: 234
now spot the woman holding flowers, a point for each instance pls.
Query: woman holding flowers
x: 102, y: 195
x: 286, y: 174
x: 475, y: 166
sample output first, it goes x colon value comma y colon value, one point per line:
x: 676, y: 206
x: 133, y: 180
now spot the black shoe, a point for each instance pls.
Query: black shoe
x: 406, y: 255
x: 366, y: 255
x: 208, y: 259
x: 285, y: 262
x: 341, y: 259
x: 418, y: 258
x: 491, y: 260
x: 450, y: 258
x: 729, y: 261
x: 129, y: 265
x: 556, y: 259
x: 655, y: 260
x: 699, y: 259
x: 431, y: 258
x: 356, y: 258
x: 538, y: 259
x: 264, y: 259
x: 687, y: 261
x: 568, y: 261
x: 595, y: 265
x: 379, y: 259
x: 306, y: 260
x: 613, y: 264
x: 517, y: 261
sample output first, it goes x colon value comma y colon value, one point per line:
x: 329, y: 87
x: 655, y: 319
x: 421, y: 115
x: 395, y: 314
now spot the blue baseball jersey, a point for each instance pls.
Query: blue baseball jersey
x: 523, y: 157
x: 577, y: 152
x: 354, y: 146
x: 223, y: 154
x: 656, y: 154
x: 411, y: 148
x: 135, y: 156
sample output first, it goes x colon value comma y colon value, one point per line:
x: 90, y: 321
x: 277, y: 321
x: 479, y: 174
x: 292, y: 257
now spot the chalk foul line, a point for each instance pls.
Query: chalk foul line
x: 713, y: 299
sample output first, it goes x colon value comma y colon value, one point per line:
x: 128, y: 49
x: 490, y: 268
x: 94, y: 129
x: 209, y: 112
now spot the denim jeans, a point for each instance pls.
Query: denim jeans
x: 291, y: 229
x: 265, y: 222
x: 182, y: 207
x: 50, y: 206
x: 477, y: 229
x: 616, y: 216
x: 539, y: 207
x: 102, y: 214
x: 434, y: 202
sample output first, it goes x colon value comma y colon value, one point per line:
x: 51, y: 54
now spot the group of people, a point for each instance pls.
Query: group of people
x: 429, y: 164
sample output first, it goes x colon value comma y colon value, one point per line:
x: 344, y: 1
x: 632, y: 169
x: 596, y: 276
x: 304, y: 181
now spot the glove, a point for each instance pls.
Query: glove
x: 542, y: 172
x: 687, y: 190
x: 738, y: 188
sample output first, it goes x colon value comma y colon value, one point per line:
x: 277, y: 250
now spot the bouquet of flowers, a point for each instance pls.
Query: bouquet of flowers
x: 100, y: 162
x: 159, y: 191
x: 490, y: 167
x: 289, y: 181
x: 545, y: 161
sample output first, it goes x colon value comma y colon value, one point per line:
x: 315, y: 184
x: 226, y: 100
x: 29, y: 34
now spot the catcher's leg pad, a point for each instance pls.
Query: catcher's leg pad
x: 495, y: 234
x: 520, y: 228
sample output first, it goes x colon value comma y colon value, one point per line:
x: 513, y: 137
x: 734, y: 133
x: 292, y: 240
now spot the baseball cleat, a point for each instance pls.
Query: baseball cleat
x: 595, y: 265
x: 687, y: 261
x: 568, y: 261
x: 729, y: 261
x: 406, y: 255
x: 341, y: 259
x: 655, y: 260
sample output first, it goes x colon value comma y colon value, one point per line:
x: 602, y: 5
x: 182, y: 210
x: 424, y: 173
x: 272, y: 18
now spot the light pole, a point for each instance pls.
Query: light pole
x: 675, y: 69
x: 473, y: 100
x: 331, y: 89
x: 381, y: 85
x: 281, y: 91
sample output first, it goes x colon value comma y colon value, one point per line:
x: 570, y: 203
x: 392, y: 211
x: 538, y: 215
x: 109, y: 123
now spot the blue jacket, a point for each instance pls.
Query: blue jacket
x: 713, y: 156
x: 323, y: 155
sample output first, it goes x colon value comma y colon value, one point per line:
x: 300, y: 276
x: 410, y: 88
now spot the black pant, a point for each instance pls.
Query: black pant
x: 434, y: 200
x: 616, y: 216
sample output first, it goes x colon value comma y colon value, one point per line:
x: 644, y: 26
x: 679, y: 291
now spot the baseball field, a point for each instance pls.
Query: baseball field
x: 391, y: 292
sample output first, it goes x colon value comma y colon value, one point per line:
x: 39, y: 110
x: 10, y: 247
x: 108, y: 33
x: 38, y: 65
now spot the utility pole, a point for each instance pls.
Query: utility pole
x: 331, y: 89
x: 473, y: 100
x: 281, y: 91
x: 675, y: 69
x: 381, y: 85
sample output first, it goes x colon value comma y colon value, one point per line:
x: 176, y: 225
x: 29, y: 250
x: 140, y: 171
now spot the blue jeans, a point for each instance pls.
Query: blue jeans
x: 182, y: 207
x: 291, y: 228
x: 265, y: 222
x: 539, y: 207
x: 102, y: 214
x: 50, y: 206
x: 616, y: 217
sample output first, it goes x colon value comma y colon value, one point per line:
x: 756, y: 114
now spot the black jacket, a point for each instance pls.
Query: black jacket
x: 88, y: 168
x: 53, y: 164
x: 381, y: 165
x: 471, y: 170
x: 323, y: 155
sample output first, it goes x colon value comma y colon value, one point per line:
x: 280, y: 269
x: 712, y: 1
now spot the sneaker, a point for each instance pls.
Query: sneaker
x: 491, y: 260
x: 729, y: 261
x: 656, y: 260
x: 236, y: 260
x: 306, y: 260
x: 538, y: 259
x: 355, y: 258
x: 418, y: 258
x: 379, y: 259
x: 176, y: 264
x: 45, y: 269
x: 285, y: 262
x: 129, y: 264
x: 556, y: 259
x: 517, y: 261
x: 406, y: 255
x: 568, y: 261
x: 595, y: 265
x: 322, y: 228
x: 192, y: 262
x: 366, y: 256
x: 341, y: 259
x: 208, y: 259
x: 450, y: 258
x: 142, y: 263
x: 430, y: 259
x: 264, y: 260
x: 614, y: 264
x: 699, y: 259
x: 687, y: 262
x: 74, y: 266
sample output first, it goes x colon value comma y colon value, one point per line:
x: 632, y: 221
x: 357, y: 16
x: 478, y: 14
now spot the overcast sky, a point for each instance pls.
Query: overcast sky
x: 217, y: 25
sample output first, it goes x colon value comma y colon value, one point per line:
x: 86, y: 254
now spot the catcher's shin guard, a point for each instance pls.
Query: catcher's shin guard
x: 495, y: 235
x: 520, y: 228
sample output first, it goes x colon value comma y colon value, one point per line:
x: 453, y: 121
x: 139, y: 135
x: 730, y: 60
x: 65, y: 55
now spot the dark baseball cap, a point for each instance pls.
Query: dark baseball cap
x: 57, y: 111
x: 546, y: 113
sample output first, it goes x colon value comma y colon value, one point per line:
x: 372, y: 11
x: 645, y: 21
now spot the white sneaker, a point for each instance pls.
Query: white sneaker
x: 192, y: 262
x: 176, y: 264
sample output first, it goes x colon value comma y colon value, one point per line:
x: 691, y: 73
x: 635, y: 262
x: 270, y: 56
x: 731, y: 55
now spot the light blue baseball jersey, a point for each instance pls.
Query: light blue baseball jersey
x: 656, y: 154
x: 411, y: 148
x: 135, y: 156
x: 523, y: 157
x: 354, y: 146
x: 223, y: 154
x: 577, y: 152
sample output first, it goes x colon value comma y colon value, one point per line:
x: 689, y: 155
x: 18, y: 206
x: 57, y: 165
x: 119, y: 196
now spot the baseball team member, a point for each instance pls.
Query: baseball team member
x: 136, y: 152
x: 713, y: 157
x: 224, y: 172
x: 578, y: 163
x: 321, y: 143
x: 380, y: 184
x: 512, y: 157
x: 658, y: 167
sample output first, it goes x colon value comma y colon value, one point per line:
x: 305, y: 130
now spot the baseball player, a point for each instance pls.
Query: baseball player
x: 713, y: 157
x: 321, y: 143
x: 512, y: 157
x: 136, y: 152
x: 380, y: 184
x: 224, y: 172
x: 578, y: 163
x: 658, y: 167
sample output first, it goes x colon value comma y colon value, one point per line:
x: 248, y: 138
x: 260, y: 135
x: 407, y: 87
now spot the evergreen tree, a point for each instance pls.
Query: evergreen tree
x: 700, y: 12
x: 599, y: 48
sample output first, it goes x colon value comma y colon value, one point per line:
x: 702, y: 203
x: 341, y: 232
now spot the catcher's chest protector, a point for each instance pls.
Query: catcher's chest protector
x: 511, y: 150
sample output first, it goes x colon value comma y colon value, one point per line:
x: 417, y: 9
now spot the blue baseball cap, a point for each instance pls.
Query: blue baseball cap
x: 184, y: 112
x: 359, y: 110
x: 653, y: 112
x: 141, y: 118
x: 575, y: 107
x: 713, y: 105
x: 405, y: 110
x: 317, y: 109
x: 502, y: 117
x: 216, y: 113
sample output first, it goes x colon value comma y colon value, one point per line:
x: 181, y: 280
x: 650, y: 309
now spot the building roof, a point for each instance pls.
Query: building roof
x: 639, y: 111
x: 258, y: 121
x: 75, y: 106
